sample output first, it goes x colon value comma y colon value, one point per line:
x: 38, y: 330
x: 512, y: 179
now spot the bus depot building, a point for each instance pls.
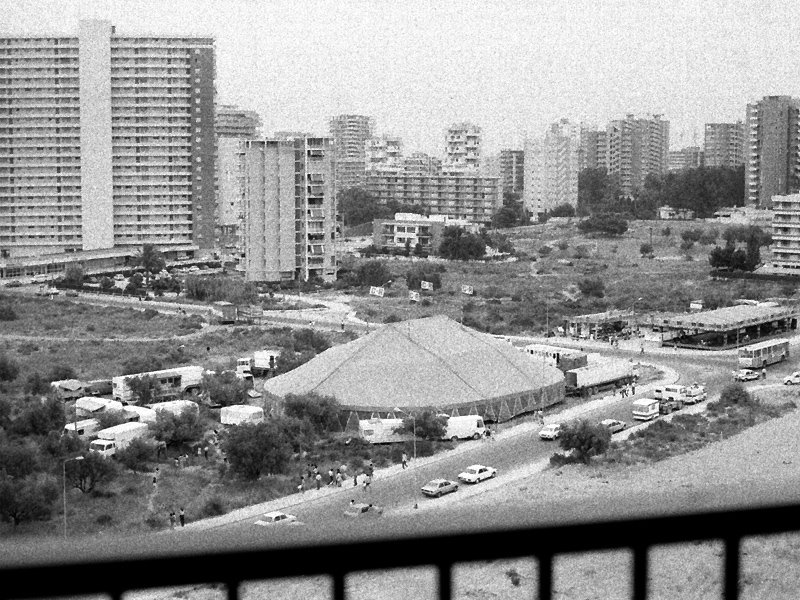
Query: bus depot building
x: 598, y: 326
x: 728, y: 327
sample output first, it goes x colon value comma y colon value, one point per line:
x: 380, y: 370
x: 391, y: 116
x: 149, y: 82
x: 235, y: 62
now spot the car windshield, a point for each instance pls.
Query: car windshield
x: 472, y: 470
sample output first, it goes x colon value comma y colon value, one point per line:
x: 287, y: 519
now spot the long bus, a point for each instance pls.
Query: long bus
x: 763, y: 353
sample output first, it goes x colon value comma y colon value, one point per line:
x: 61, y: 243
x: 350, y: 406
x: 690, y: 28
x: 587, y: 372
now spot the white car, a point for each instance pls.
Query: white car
x: 550, y: 432
x: 614, y: 425
x: 476, y: 474
x: 745, y: 375
x: 277, y: 517
x: 437, y: 488
x: 792, y: 379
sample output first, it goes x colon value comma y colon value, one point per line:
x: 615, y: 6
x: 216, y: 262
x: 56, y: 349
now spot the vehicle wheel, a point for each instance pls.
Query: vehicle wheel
x: 476, y: 436
x: 438, y: 495
x: 454, y: 438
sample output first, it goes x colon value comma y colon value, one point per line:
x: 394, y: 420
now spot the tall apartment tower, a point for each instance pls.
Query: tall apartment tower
x: 107, y: 140
x: 350, y: 134
x: 512, y: 171
x: 462, y: 148
x: 232, y: 121
x: 724, y: 144
x: 773, y: 150
x: 551, y: 168
x: 637, y: 147
x: 593, y: 150
x: 290, y: 223
x: 419, y: 163
x: 384, y: 154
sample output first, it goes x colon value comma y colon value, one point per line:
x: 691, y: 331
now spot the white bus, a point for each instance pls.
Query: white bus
x: 763, y: 353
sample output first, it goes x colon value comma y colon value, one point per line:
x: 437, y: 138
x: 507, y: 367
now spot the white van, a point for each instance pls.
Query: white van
x: 645, y: 409
x: 675, y: 392
x: 464, y: 428
x: 83, y: 428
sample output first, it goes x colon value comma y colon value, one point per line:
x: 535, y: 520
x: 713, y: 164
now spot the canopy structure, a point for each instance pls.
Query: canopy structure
x: 425, y: 363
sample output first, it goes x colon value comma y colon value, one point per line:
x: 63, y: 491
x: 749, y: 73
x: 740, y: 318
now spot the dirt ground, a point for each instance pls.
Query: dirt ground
x: 760, y: 465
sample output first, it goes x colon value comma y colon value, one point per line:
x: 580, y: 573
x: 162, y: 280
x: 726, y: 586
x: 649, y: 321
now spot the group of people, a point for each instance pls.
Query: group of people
x: 626, y: 391
x: 335, y: 477
x: 173, y: 520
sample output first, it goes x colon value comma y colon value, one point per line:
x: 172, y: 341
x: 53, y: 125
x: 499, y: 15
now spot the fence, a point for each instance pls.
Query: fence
x: 114, y: 576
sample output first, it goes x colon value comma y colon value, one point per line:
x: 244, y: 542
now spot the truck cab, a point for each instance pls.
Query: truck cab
x: 105, y: 448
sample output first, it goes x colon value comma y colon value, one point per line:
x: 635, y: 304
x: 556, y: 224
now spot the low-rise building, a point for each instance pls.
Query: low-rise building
x: 415, y: 229
x: 669, y: 213
x: 786, y: 233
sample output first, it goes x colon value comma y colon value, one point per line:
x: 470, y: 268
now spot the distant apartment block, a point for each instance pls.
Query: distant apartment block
x: 232, y: 121
x: 786, y: 233
x: 413, y: 229
x: 290, y: 222
x: 107, y: 142
x: 685, y: 158
x: 419, y: 163
x: 724, y: 144
x: 772, y: 165
x: 551, y: 168
x: 636, y: 148
x: 350, y: 134
x: 462, y: 148
x: 384, y: 154
x: 593, y: 150
x: 512, y: 171
x: 474, y: 199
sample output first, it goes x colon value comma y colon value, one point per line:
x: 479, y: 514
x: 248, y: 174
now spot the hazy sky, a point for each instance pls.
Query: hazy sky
x: 509, y: 67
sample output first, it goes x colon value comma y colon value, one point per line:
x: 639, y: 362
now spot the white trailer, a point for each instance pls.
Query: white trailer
x: 171, y: 382
x: 117, y: 438
x: 382, y: 431
x: 239, y: 414
x: 83, y: 428
x: 141, y: 414
x: 175, y: 407
x: 466, y: 427
x: 646, y: 409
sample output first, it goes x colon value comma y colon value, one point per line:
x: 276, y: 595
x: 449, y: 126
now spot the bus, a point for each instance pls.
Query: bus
x: 763, y: 353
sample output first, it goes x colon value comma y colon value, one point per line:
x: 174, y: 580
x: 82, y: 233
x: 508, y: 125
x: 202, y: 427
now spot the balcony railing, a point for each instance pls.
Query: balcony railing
x: 114, y: 577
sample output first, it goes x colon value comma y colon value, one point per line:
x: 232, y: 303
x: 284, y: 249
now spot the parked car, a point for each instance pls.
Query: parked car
x: 476, y: 474
x: 72, y: 293
x: 614, y: 425
x: 363, y: 510
x: 792, y: 379
x: 439, y: 487
x: 550, y: 432
x: 277, y: 517
x: 695, y: 393
x: 745, y: 375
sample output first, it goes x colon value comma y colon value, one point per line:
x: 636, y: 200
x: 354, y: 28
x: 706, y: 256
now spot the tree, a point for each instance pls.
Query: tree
x: 563, y: 210
x: 606, y: 224
x: 373, y: 273
x: 253, y: 449
x: 646, y: 249
x: 28, y: 499
x: 321, y: 411
x: 512, y: 213
x: 110, y: 418
x: 36, y: 384
x: 74, y: 275
x: 106, y: 283
x: 61, y: 372
x: 90, y: 472
x: 416, y: 275
x: 9, y: 369
x: 18, y: 459
x: 177, y: 429
x: 356, y: 207
x: 151, y: 260
x: 225, y: 388
x: 457, y: 244
x: 429, y: 425
x: 137, y: 454
x: 585, y: 439
x: 40, y: 417
x: 7, y: 312
x: 592, y: 286
x: 145, y: 389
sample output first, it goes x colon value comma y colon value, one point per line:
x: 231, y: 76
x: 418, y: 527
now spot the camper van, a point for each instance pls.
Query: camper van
x: 646, y: 409
x: 464, y: 428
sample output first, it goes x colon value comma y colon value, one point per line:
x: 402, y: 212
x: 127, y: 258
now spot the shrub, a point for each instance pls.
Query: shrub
x: 415, y: 276
x: 666, y: 232
x: 213, y: 507
x: 544, y: 250
x: 585, y: 439
x: 592, y: 287
x: 321, y: 411
x: 562, y: 245
x: 646, y: 249
x: 581, y: 252
x: 563, y: 210
x: 606, y: 224
x: 7, y: 313
x: 104, y: 519
x: 9, y: 369
x: 391, y: 318
x: 687, y: 244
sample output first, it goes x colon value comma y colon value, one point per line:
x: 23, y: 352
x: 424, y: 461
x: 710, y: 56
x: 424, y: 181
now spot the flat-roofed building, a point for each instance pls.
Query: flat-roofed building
x: 290, y: 221
x: 106, y: 141
x: 412, y: 229
x: 690, y: 157
x: 462, y: 148
x: 472, y: 198
x: 384, y: 154
x: 786, y: 233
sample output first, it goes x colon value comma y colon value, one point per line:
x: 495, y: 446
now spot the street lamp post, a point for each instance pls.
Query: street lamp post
x: 633, y: 308
x: 64, y: 473
x: 414, y: 427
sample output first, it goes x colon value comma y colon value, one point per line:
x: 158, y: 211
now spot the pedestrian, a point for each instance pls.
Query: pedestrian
x: 199, y: 450
x: 155, y: 479
x: 404, y: 460
x: 370, y: 469
x: 172, y: 519
x: 342, y: 325
x: 301, y: 485
x: 355, y: 479
x: 365, y: 483
x: 763, y: 373
x: 338, y: 479
x: 633, y: 389
x: 641, y: 349
x: 352, y: 502
x: 318, y: 479
x: 205, y: 451
x: 330, y: 477
x: 182, y: 516
x: 177, y: 463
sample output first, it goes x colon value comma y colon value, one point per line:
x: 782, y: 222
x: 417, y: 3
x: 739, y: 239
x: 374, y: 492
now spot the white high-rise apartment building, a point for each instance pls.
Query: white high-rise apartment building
x: 462, y: 148
x: 786, y: 233
x: 724, y: 144
x: 384, y: 154
x: 637, y: 147
x: 106, y: 141
x: 290, y: 222
x: 350, y: 134
x: 552, y: 164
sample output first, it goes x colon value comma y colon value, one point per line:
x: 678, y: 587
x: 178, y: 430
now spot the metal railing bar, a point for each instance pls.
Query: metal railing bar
x: 338, y: 585
x: 232, y: 587
x: 445, y: 580
x: 545, y: 561
x: 94, y: 575
x: 640, y: 568
x: 731, y: 567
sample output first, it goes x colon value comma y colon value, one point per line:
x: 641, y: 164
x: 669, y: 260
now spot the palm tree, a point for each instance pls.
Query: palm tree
x: 151, y: 260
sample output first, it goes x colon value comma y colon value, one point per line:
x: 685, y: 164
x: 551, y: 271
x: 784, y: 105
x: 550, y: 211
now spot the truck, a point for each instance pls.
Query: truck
x: 463, y: 428
x: 171, y: 382
x: 117, y: 438
x: 587, y: 381
x: 563, y: 359
x: 645, y: 409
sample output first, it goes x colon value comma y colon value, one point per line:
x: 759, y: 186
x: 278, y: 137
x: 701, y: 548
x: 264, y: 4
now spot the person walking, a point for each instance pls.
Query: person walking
x: 330, y: 477
x: 370, y: 469
x: 633, y: 388
x: 366, y: 483
x: 763, y: 373
x: 205, y: 451
x: 301, y: 486
x: 182, y: 516
x: 355, y: 479
x: 338, y: 479
x: 318, y: 479
x: 404, y: 460
x: 172, y: 519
